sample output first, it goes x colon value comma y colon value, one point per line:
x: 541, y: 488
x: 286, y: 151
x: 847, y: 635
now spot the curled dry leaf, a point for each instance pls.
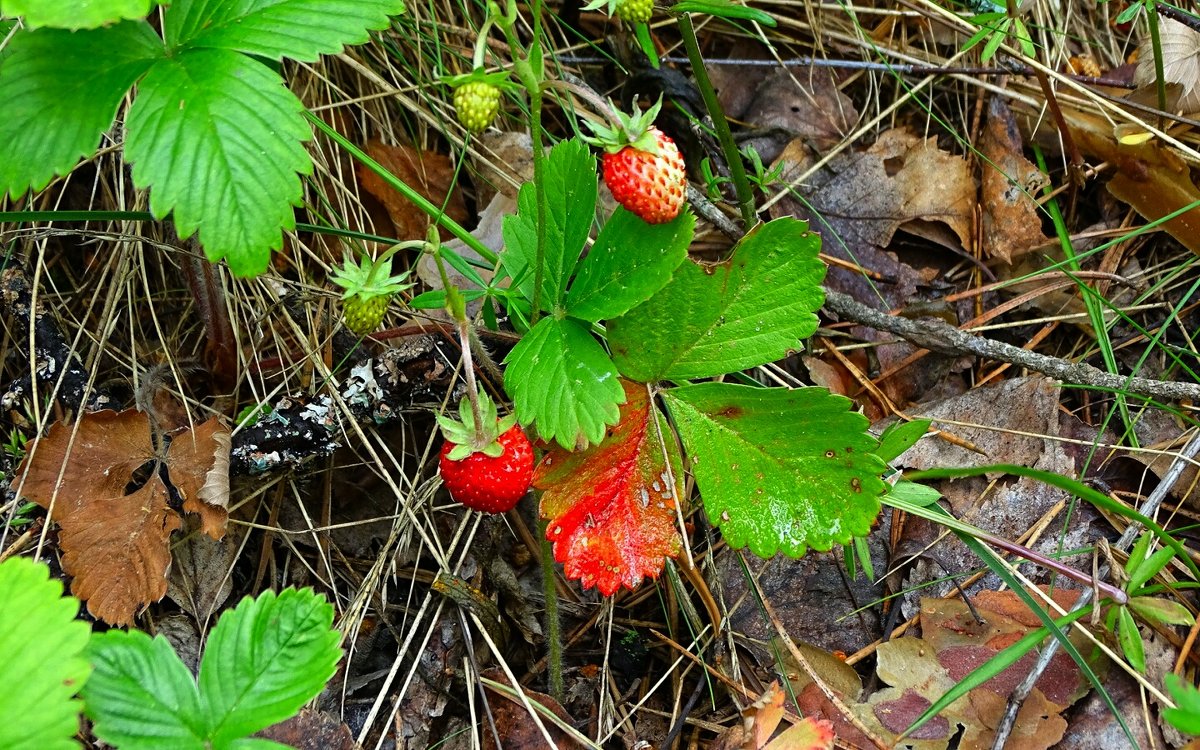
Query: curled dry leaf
x: 115, y: 541
x: 611, y: 508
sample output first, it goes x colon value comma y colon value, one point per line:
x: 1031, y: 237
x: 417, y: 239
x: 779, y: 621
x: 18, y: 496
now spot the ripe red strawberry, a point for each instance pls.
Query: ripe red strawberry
x: 641, y: 166
x: 651, y: 184
x: 489, y: 469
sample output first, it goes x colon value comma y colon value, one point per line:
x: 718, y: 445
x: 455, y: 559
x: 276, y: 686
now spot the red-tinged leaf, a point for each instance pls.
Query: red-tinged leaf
x: 611, y: 508
x: 807, y: 734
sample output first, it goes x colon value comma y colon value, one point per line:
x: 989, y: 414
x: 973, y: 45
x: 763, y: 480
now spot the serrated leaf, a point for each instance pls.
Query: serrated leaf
x: 89, y: 15
x: 274, y: 29
x: 750, y: 310
x: 899, y: 437
x: 141, y: 696
x: 41, y: 662
x: 265, y: 659
x: 1186, y: 717
x: 779, y: 470
x: 217, y: 137
x: 628, y: 263
x: 562, y: 381
x: 1162, y: 611
x: 60, y: 91
x: 611, y: 508
x: 1130, y: 639
x: 570, y: 189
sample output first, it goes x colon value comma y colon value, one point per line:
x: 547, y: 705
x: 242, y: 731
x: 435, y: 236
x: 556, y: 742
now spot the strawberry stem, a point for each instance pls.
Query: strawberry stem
x: 456, y: 306
x: 600, y: 106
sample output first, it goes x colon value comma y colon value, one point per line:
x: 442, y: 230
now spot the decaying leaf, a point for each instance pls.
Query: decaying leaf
x: 1180, y: 48
x: 514, y: 725
x: 114, y: 540
x: 1012, y: 225
x: 611, y: 508
x: 760, y: 720
x: 429, y: 173
x: 952, y: 644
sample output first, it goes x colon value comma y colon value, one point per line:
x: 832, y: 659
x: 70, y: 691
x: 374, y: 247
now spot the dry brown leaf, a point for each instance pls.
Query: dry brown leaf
x: 198, y: 461
x: 199, y: 580
x: 429, y: 173
x: 311, y: 730
x: 116, y: 544
x: 804, y: 104
x: 1180, y: 48
x: 517, y: 728
x: 761, y: 718
x: 1012, y: 225
x: 953, y: 643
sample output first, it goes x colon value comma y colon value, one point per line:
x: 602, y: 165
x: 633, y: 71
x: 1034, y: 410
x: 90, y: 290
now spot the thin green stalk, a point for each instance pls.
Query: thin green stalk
x: 419, y: 200
x: 1160, y: 82
x: 737, y: 170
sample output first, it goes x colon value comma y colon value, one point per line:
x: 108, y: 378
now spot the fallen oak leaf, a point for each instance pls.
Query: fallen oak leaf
x: 115, y: 541
x: 611, y: 508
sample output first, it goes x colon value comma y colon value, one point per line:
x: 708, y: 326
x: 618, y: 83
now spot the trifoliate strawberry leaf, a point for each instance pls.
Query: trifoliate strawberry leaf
x: 628, y: 263
x: 570, y: 190
x: 141, y: 696
x: 299, y: 29
x: 752, y: 309
x: 779, y: 470
x: 41, y: 661
x: 87, y: 15
x: 265, y: 659
x: 611, y: 508
x: 562, y: 381
x: 218, y: 136
x: 60, y: 91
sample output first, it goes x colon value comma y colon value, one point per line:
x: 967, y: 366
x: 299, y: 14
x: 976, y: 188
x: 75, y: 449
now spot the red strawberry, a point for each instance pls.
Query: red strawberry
x: 480, y: 470
x: 651, y: 185
x: 642, y: 167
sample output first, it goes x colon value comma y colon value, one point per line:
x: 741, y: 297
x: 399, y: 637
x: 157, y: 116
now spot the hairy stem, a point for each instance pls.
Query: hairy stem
x: 553, y: 622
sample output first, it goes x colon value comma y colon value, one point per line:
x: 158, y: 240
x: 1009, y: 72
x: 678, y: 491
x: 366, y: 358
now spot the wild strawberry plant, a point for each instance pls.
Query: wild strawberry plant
x: 213, y: 130
x: 779, y: 470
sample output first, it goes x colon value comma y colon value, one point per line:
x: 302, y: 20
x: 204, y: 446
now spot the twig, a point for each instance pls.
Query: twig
x: 939, y: 336
x: 1148, y: 508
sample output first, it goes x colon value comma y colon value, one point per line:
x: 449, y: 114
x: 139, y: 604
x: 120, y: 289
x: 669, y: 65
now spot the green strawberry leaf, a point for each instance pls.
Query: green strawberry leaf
x: 780, y: 470
x: 752, y: 309
x: 265, y: 659
x: 41, y: 659
x: 218, y: 137
x: 275, y: 29
x: 570, y: 188
x: 611, y: 509
x: 562, y: 381
x: 141, y: 696
x: 629, y: 262
x: 89, y: 15
x: 61, y: 90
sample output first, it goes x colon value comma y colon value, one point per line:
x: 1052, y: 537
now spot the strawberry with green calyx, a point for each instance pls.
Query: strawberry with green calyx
x: 369, y: 286
x: 486, y: 465
x: 642, y: 166
x: 477, y: 94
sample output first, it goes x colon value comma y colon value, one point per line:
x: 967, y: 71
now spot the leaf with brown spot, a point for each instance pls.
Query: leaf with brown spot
x: 611, y: 508
x: 115, y: 541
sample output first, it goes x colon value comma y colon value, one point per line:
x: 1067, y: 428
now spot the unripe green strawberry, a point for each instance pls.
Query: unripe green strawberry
x: 369, y: 286
x: 634, y: 11
x: 476, y: 104
x: 487, y: 469
x: 651, y: 185
x: 363, y: 315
